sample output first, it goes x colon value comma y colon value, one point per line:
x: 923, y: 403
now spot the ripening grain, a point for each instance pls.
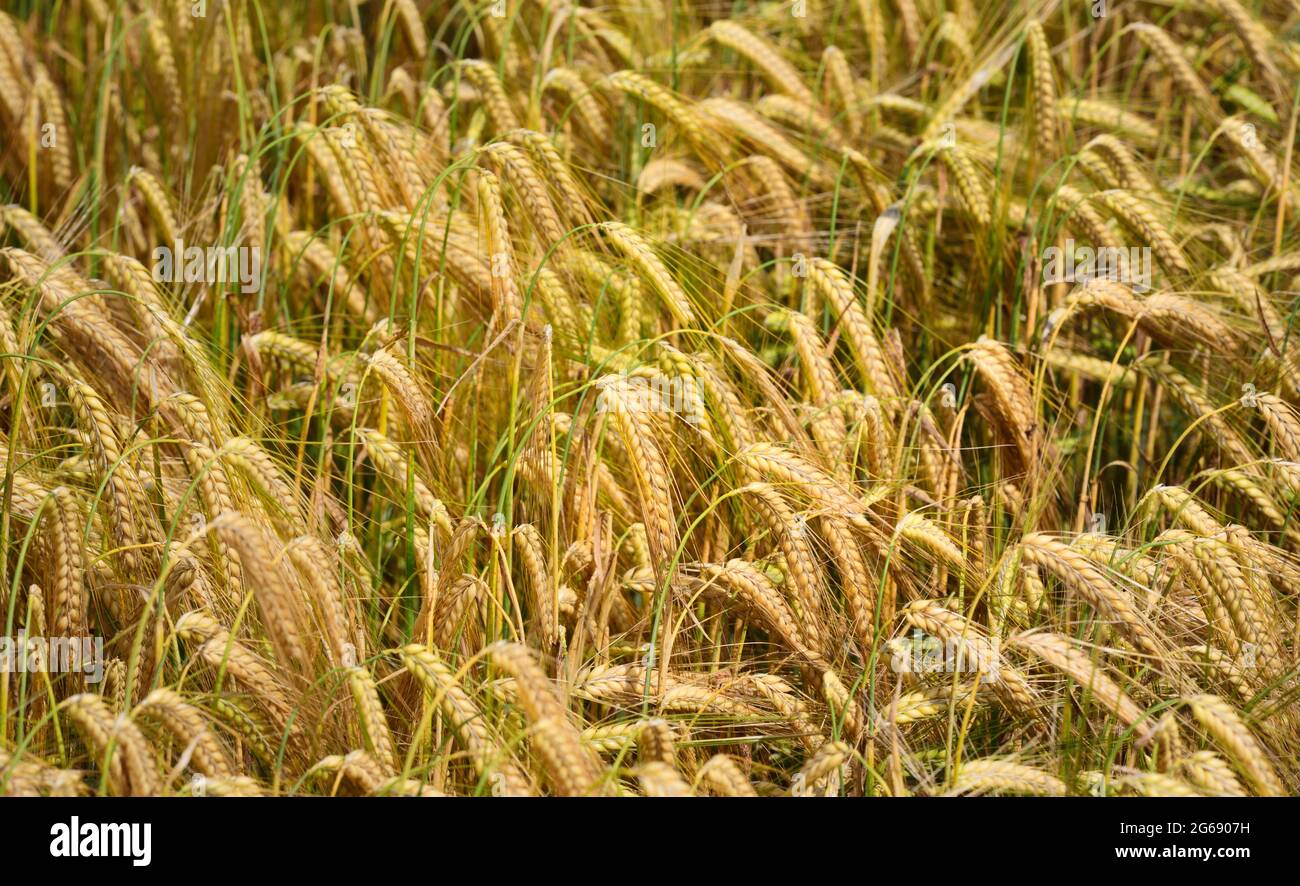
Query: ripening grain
x: 898, y: 399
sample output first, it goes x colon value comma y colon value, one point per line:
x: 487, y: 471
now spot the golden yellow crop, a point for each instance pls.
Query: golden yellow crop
x: 530, y: 397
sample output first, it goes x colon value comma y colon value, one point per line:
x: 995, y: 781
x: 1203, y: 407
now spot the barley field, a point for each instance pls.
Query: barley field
x: 531, y: 397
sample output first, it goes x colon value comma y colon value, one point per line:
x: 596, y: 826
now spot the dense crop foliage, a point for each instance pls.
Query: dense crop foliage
x: 877, y: 397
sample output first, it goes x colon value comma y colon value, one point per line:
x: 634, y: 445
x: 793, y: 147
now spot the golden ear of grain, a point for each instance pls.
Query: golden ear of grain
x: 278, y: 597
x: 823, y: 774
x: 655, y: 742
x: 530, y: 188
x: 857, y: 586
x: 1043, y: 78
x: 793, y: 114
x: 926, y: 536
x: 1000, y: 776
x: 1212, y: 774
x: 1103, y: 114
x: 508, y: 304
x: 224, y: 654
x: 118, y: 742
x: 67, y: 581
x: 924, y: 704
x: 779, y: 465
x: 1171, y: 58
x: 764, y: 137
x: 659, y: 779
x: 401, y: 383
x: 573, y: 769
x: 370, y: 713
x: 722, y: 775
x: 260, y: 468
x: 233, y: 786
x: 843, y: 707
x: 493, y: 94
x: 970, y: 185
x: 319, y: 568
x: 1251, y: 622
x: 978, y: 651
x: 543, y: 592
x: 755, y: 592
x: 678, y: 112
x: 1228, y: 730
x: 1141, y: 219
x: 367, y: 775
x: 828, y: 427
x: 158, y: 203
x: 839, y: 82
x: 649, y: 265
x: 52, y: 113
x: 801, y: 563
x: 650, y: 474
x: 856, y: 328
x: 408, y: 13
x: 1157, y: 784
x: 131, y: 523
x: 1256, y: 39
x: 1061, y: 654
x: 491, y: 760
x: 1283, y: 422
x: 580, y: 96
x: 764, y: 56
x: 573, y: 201
x: 1081, y: 575
x: 190, y: 728
x: 1011, y: 391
